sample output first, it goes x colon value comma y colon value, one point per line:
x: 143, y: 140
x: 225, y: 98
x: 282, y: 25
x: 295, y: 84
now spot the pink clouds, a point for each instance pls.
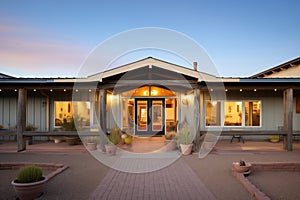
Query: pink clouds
x: 31, y: 52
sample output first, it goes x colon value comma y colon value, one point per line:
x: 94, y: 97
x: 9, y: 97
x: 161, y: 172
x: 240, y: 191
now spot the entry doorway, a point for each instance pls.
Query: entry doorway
x: 149, y: 116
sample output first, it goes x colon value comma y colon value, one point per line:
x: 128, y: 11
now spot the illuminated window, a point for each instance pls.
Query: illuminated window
x: 233, y: 113
x: 67, y: 111
x: 252, y: 113
x: 213, y: 113
x: 148, y: 91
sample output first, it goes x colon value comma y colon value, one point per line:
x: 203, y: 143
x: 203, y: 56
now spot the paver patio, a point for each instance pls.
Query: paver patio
x: 176, y: 181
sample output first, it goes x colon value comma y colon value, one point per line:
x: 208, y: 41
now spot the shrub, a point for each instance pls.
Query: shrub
x: 29, y: 174
x: 115, y: 136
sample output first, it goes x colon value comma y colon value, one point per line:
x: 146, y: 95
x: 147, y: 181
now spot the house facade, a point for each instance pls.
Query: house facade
x: 151, y: 97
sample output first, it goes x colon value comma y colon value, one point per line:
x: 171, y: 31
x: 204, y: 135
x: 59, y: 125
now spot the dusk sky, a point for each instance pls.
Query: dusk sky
x: 53, y: 38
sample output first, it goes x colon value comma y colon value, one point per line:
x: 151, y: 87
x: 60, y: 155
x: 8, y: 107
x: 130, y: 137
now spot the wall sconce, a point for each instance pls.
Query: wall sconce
x: 185, y: 100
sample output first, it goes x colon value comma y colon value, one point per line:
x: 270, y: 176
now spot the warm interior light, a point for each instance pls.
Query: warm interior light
x: 154, y: 92
x: 146, y: 93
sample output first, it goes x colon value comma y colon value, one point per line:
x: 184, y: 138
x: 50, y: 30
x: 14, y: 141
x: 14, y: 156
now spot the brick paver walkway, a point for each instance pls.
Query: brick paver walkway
x: 176, y: 181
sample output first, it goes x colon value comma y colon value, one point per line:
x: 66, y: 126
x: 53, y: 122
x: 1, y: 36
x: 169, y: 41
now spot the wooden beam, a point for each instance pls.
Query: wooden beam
x: 288, y: 119
x: 102, y: 119
x: 21, y: 119
x: 197, y: 118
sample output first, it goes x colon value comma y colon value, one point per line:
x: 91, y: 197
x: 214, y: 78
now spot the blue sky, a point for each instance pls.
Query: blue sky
x: 52, y: 38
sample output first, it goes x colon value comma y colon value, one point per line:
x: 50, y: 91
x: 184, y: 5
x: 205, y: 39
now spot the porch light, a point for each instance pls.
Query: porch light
x: 275, y: 89
x: 16, y: 90
x: 254, y: 90
x: 51, y: 90
x: 241, y: 90
x: 76, y: 90
x: 154, y: 92
x: 0, y: 90
x: 34, y: 90
x: 65, y: 90
x: 214, y: 103
x: 90, y: 90
x: 211, y: 90
x: 226, y: 90
x: 146, y: 92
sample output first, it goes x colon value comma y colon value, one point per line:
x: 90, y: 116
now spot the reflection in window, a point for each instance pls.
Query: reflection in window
x: 233, y: 113
x: 128, y: 114
x: 67, y: 110
x: 213, y: 113
x: 252, y: 113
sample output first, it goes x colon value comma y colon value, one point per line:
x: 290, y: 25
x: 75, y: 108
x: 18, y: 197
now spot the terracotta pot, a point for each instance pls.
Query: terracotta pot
x: 29, y: 191
x: 91, y: 146
x: 186, y: 149
x: 110, y: 149
x: 241, y: 169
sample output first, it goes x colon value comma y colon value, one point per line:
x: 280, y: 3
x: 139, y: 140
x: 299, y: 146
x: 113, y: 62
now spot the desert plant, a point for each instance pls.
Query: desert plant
x: 115, y: 136
x: 29, y: 174
x: 184, y: 135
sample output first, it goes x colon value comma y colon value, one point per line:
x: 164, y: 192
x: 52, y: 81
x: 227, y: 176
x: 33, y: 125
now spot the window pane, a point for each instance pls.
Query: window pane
x: 64, y: 112
x: 128, y: 114
x: 252, y: 113
x: 213, y: 113
x: 233, y: 113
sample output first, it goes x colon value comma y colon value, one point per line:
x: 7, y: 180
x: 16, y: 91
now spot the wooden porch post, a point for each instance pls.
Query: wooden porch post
x: 288, y: 119
x: 102, y: 118
x: 197, y: 118
x: 21, y: 119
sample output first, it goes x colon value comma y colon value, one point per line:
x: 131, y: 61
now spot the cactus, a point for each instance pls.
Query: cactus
x: 29, y: 174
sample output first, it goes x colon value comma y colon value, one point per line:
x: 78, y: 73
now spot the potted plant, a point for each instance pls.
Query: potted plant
x: 91, y: 143
x: 274, y: 138
x: 242, y: 166
x: 114, y: 139
x: 29, y: 183
x: 185, y: 138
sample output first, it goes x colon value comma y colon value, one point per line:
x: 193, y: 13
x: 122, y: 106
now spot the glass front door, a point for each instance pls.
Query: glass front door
x: 149, y: 116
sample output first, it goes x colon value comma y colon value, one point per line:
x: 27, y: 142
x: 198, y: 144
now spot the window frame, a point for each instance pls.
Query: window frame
x: 222, y: 113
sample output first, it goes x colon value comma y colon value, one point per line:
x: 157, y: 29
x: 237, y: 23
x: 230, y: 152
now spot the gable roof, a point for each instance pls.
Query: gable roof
x: 290, y: 69
x: 5, y: 76
x: 151, y: 62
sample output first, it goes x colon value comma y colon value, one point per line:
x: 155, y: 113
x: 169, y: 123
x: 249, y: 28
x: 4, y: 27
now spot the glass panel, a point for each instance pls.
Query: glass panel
x: 127, y: 114
x: 252, y: 113
x: 157, y: 118
x: 233, y: 114
x: 138, y: 92
x: 157, y: 91
x: 213, y: 113
x: 64, y: 112
x: 148, y: 91
x: 142, y: 115
x: 171, y: 118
